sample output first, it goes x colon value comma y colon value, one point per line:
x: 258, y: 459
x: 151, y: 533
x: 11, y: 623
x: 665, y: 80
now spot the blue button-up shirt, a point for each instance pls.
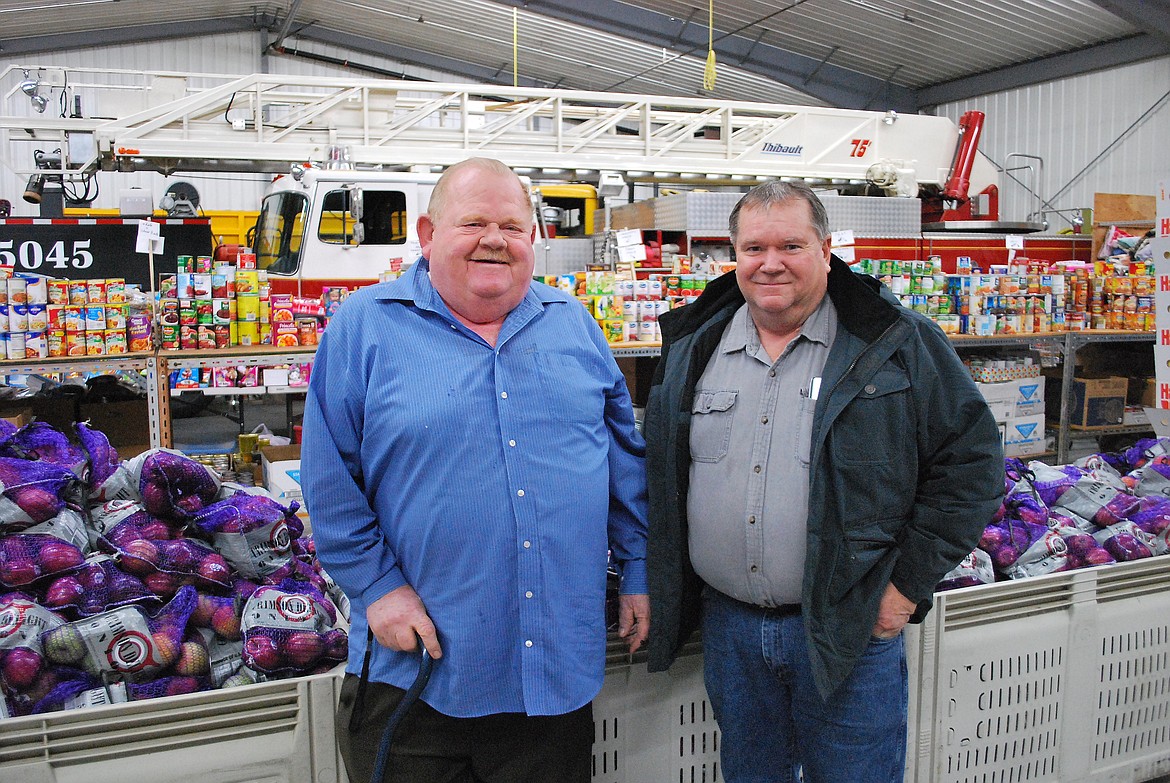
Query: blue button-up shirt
x: 491, y: 480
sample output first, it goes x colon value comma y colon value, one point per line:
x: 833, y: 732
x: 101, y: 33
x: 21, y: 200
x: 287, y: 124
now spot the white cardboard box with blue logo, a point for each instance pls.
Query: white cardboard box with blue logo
x: 1029, y: 396
x: 1024, y: 436
x: 281, y: 466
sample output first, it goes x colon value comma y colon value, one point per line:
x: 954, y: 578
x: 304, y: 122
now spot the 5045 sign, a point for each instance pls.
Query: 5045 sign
x: 33, y: 256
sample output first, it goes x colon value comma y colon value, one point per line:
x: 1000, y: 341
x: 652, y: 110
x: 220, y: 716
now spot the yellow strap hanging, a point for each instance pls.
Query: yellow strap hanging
x: 515, y: 49
x: 709, y: 70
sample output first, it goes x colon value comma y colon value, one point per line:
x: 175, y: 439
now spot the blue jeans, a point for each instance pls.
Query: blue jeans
x: 774, y: 723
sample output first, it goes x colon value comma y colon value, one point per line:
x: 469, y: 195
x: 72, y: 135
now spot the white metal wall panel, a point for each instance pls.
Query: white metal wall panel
x: 1069, y: 123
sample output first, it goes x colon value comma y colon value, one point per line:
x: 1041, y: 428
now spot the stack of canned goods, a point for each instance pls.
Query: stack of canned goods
x: 41, y: 317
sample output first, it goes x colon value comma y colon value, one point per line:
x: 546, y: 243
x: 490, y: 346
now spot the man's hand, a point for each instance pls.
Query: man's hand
x: 893, y: 613
x: 634, y: 619
x: 396, y: 617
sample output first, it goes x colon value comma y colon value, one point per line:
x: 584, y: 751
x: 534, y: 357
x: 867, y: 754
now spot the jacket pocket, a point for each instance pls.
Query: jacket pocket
x: 711, y: 415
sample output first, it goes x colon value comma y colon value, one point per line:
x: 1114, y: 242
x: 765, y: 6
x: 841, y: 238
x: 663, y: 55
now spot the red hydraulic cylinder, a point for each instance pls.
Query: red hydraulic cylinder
x: 970, y: 127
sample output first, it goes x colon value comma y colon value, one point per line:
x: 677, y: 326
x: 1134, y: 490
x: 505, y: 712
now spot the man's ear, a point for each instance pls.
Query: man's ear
x: 426, y: 232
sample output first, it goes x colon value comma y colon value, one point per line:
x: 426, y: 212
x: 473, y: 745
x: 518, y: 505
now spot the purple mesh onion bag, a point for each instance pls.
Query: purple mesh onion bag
x: 39, y: 441
x: 103, y: 458
x: 285, y: 629
x: 974, y: 569
x: 1006, y: 540
x: 32, y: 492
x: 27, y: 557
x: 71, y: 683
x: 1126, y: 541
x: 174, y: 685
x: 1052, y: 482
x: 98, y: 586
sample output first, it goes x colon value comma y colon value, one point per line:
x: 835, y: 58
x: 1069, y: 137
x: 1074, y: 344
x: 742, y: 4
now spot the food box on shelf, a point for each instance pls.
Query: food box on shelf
x: 1024, y: 436
x: 1000, y: 397
x: 1097, y: 403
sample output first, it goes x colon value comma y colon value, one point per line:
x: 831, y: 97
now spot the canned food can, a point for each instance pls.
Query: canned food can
x: 205, y: 336
x: 17, y: 292
x: 223, y: 335
x: 95, y: 318
x: 629, y: 331
x: 37, y: 291
x: 115, y: 316
x: 249, y: 332
x: 55, y: 342
x: 169, y: 337
x: 115, y: 290
x: 307, y: 331
x: 247, y: 281
x: 95, y: 292
x: 247, y: 307
x: 201, y: 286
x: 203, y: 264
x: 266, y: 334
x: 95, y: 343
x: 168, y: 286
x: 204, y: 312
x: 188, y: 337
x: 18, y: 318
x: 185, y: 264
x: 14, y: 346
x: 38, y: 318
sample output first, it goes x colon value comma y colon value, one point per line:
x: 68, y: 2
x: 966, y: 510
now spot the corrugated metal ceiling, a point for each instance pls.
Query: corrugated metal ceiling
x: 863, y: 53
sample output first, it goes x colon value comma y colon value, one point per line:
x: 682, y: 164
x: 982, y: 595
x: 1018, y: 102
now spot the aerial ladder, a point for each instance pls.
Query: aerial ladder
x: 117, y: 120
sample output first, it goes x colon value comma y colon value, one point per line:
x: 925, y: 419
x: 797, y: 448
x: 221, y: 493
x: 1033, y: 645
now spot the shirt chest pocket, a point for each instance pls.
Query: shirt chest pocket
x: 711, y: 416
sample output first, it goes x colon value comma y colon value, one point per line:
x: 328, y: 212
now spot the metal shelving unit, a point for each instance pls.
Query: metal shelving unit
x: 157, y: 367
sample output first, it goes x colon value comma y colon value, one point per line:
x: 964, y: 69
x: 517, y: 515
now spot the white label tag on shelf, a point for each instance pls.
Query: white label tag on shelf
x: 1014, y: 242
x: 628, y: 236
x: 630, y: 253
x: 842, y: 238
x: 846, y: 254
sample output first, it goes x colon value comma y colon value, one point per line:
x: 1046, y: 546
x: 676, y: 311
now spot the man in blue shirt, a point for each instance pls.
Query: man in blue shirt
x: 469, y: 458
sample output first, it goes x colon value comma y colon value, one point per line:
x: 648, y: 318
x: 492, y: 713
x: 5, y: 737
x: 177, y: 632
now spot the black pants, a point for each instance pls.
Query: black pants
x: 430, y: 747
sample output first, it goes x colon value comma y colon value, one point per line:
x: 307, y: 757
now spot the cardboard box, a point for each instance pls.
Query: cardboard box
x: 1149, y: 395
x: 1029, y: 396
x: 18, y: 416
x: 1097, y: 403
x: 1135, y: 415
x: 1000, y: 397
x: 126, y: 423
x: 1024, y: 436
x: 281, y: 466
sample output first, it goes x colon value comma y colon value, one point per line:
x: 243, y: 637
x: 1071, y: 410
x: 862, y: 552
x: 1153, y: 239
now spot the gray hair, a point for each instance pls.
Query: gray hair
x: 438, y: 198
x: 769, y: 194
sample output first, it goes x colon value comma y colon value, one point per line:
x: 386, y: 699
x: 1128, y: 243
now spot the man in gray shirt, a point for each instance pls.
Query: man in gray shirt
x: 818, y: 459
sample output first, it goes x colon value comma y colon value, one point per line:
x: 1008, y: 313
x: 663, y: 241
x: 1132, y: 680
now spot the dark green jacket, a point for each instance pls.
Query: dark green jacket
x: 906, y: 468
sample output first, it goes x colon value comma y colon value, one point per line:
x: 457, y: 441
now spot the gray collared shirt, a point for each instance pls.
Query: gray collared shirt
x: 751, y: 430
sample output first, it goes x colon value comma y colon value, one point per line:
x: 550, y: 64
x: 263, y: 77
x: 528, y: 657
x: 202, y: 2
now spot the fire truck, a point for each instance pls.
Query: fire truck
x: 355, y: 160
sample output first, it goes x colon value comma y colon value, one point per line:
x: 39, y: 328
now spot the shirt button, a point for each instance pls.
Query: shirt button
x: 520, y: 493
x: 528, y: 594
x: 527, y: 642
x: 504, y: 395
x: 756, y: 469
x: 512, y: 443
x: 752, y: 519
x: 527, y: 544
x: 870, y: 389
x: 771, y: 373
x: 755, y: 568
x: 763, y: 420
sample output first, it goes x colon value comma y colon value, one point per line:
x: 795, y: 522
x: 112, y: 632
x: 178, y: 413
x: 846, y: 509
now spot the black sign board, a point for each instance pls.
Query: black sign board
x: 88, y: 249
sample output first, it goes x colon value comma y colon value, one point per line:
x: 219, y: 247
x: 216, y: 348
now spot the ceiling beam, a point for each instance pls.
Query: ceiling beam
x: 1046, y: 69
x: 833, y: 84
x: 56, y: 42
x: 1149, y: 16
